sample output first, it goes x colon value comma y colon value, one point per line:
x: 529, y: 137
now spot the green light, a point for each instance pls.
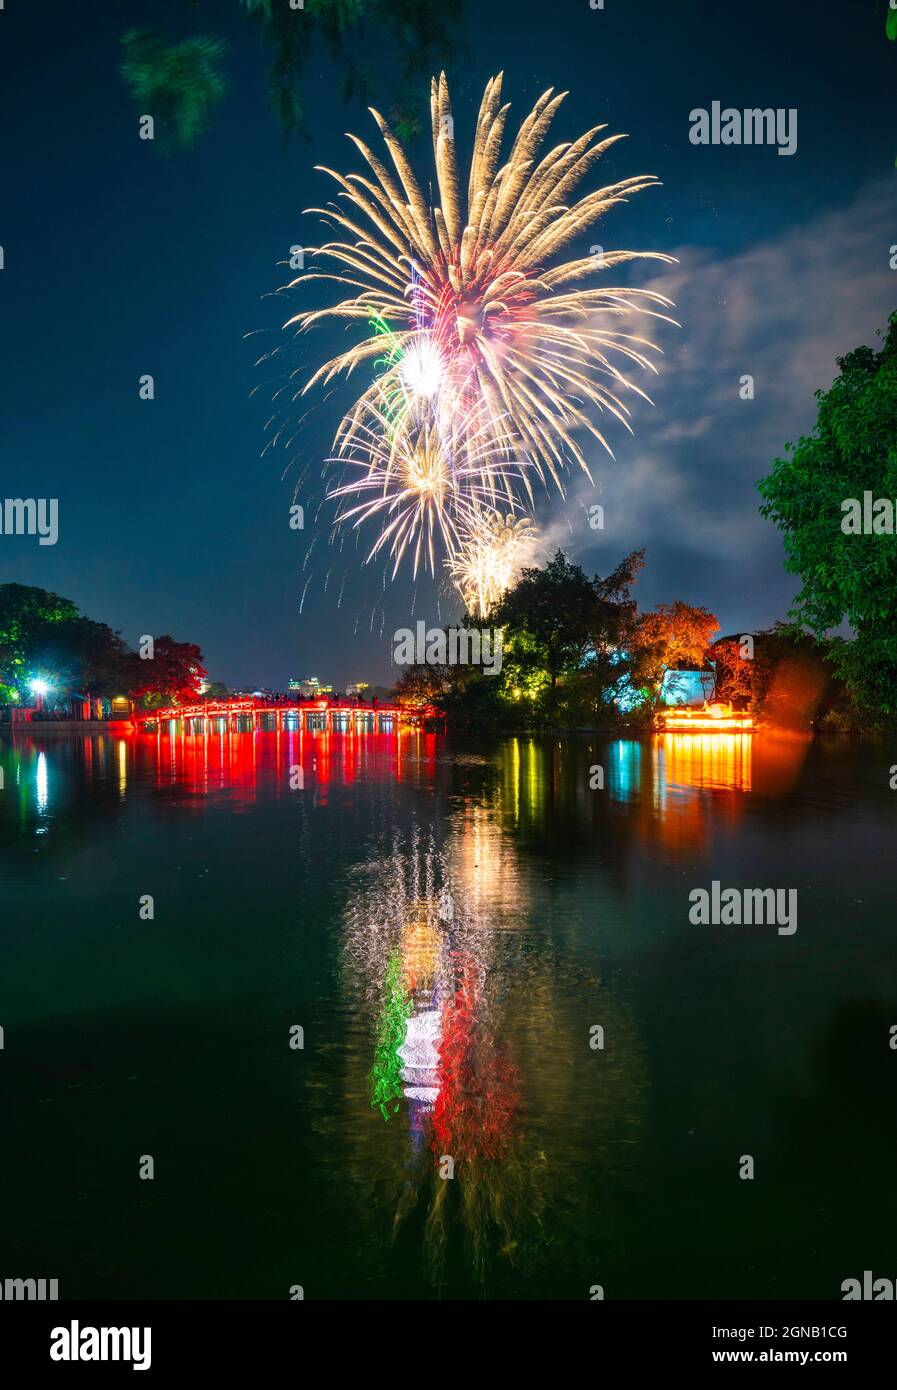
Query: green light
x: 386, y: 1073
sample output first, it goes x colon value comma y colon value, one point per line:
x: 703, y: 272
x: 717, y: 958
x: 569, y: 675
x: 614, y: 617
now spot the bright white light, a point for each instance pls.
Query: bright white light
x: 42, y: 782
x: 424, y: 1095
x: 419, y: 1052
x: 40, y: 687
x: 421, y: 368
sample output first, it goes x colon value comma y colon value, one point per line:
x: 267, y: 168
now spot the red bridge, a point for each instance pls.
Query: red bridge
x: 334, y: 715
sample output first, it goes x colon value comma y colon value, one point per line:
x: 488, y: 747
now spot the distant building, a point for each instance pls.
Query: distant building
x: 357, y: 688
x: 310, y: 688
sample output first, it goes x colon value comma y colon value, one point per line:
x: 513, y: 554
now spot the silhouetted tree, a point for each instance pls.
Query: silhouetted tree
x: 180, y: 84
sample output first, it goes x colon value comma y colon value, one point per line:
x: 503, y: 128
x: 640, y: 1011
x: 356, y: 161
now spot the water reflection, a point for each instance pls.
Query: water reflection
x: 122, y: 768
x: 421, y: 947
x: 474, y: 915
x: 41, y: 784
x: 624, y: 775
x: 722, y: 761
x: 538, y: 780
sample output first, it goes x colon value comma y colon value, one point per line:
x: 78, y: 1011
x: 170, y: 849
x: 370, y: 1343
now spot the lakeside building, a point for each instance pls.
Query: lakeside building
x: 310, y: 687
x: 687, y: 702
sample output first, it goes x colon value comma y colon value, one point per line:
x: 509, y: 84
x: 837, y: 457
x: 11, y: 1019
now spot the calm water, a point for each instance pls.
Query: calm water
x: 446, y: 923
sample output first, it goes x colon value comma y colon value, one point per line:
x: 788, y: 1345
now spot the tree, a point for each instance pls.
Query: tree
x: 846, y: 576
x: 97, y: 657
x: 173, y: 675
x: 792, y: 678
x: 673, y: 634
x: 181, y: 84
x: 215, y: 690
x: 734, y: 673
x: 421, y: 685
x: 563, y: 629
x: 42, y: 634
x: 27, y: 615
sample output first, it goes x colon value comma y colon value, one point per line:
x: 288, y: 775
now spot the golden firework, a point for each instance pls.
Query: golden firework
x: 492, y: 551
x: 470, y: 292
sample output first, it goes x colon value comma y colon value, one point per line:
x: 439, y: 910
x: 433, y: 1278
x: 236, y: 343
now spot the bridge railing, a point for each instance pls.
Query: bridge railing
x: 328, y: 711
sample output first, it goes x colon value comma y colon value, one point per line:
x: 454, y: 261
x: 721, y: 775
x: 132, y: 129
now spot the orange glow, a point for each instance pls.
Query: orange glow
x: 671, y: 724
x: 716, y: 715
x: 695, y: 759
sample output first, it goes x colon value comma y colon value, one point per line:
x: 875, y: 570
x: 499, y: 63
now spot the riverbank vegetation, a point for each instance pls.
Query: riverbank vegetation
x: 848, y: 571
x: 44, y: 638
x: 578, y: 654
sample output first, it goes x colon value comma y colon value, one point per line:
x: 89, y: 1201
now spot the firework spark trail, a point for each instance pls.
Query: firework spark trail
x: 479, y: 329
x: 424, y: 486
x: 493, y: 551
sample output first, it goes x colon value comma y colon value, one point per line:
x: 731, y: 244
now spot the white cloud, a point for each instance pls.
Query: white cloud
x: 781, y: 311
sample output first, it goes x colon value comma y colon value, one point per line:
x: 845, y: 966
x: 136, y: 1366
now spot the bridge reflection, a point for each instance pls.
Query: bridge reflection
x: 536, y: 782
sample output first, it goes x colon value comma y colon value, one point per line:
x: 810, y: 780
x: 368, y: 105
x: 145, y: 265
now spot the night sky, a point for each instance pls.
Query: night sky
x: 121, y: 261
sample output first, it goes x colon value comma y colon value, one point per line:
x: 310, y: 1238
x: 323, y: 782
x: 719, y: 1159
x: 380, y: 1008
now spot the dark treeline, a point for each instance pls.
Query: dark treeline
x: 44, y: 637
x: 576, y: 653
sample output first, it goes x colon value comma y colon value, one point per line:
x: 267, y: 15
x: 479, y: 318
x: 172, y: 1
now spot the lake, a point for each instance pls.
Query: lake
x: 402, y: 1016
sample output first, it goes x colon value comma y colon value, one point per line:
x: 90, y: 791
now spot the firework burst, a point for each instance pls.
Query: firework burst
x: 485, y: 353
x: 493, y: 549
x: 467, y: 290
x: 424, y: 485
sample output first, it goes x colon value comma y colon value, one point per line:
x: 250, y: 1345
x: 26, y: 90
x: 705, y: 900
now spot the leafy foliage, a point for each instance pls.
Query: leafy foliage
x: 173, y: 676
x: 853, y: 449
x: 178, y: 85
x: 565, y: 654
x: 561, y: 624
x: 181, y: 84
x: 734, y: 674
x: 577, y: 654
x: 420, y: 32
x: 673, y: 634
x: 42, y: 634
